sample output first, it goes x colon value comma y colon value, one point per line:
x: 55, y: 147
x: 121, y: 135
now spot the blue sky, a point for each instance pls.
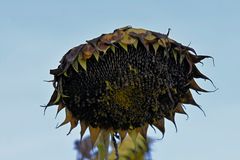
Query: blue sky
x: 34, y: 35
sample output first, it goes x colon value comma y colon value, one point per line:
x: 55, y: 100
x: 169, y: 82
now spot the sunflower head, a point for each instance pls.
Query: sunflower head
x: 122, y: 82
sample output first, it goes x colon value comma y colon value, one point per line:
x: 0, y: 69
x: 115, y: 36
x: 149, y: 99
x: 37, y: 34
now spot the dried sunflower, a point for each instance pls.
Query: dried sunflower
x: 122, y: 82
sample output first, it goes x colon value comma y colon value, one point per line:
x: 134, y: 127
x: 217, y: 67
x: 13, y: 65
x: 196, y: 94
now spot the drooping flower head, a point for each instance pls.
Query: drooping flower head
x: 124, y: 81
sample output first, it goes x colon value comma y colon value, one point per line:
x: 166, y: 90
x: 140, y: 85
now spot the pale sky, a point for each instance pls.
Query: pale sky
x: 34, y: 35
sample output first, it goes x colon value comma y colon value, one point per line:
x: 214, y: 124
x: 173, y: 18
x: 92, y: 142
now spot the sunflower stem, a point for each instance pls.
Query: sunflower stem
x: 115, y: 147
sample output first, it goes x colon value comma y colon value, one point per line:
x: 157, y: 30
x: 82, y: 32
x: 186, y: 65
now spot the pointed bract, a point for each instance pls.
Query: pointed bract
x: 84, y: 127
x: 133, y: 134
x: 135, y: 44
x: 103, y: 47
x: 113, y: 49
x: 197, y: 74
x: 160, y: 125
x: 182, y: 56
x: 65, y: 74
x: 179, y: 109
x: 175, y: 55
x: 162, y: 42
x: 198, y: 58
x: 193, y: 85
x: 60, y: 107
x: 75, y: 65
x: 96, y: 55
x: 155, y: 47
x: 94, y: 133
x: 150, y: 37
x: 88, y: 51
x: 171, y: 117
x: 68, y: 118
x: 188, y: 99
x: 124, y: 46
x: 122, y: 134
x: 73, y: 123
x: 82, y: 62
x: 143, y: 130
x: 54, y: 98
x: 127, y: 40
x: 58, y: 98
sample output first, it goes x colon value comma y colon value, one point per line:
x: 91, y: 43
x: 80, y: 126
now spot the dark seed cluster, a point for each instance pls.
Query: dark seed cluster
x: 126, y: 89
